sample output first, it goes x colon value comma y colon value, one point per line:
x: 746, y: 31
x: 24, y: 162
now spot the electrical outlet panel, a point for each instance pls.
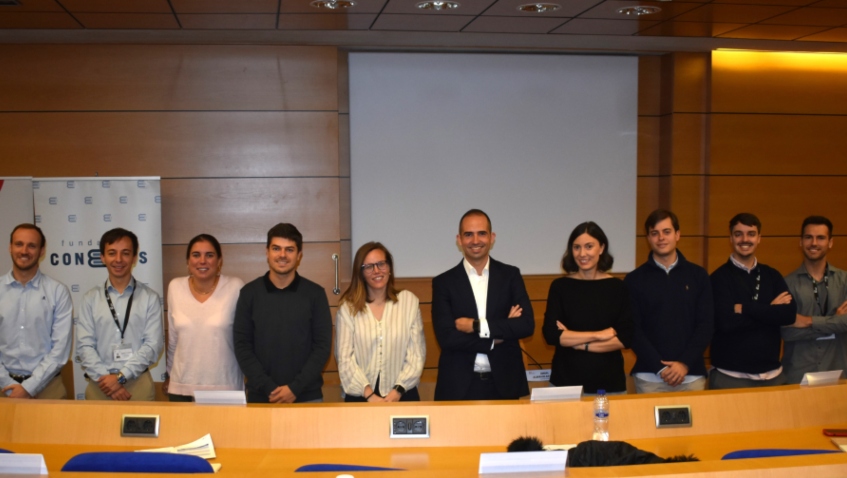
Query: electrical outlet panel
x: 409, y: 427
x: 140, y: 426
x: 673, y: 416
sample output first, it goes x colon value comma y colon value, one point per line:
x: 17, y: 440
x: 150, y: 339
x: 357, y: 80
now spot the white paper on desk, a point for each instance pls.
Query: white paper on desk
x: 541, y: 394
x: 22, y: 464
x: 202, y: 447
x: 220, y: 397
x: 522, y: 462
x: 814, y: 379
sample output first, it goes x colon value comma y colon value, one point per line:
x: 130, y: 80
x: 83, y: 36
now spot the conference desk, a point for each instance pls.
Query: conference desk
x: 263, y: 440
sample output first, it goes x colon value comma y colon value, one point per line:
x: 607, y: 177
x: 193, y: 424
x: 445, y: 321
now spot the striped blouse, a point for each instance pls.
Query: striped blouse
x: 393, y: 348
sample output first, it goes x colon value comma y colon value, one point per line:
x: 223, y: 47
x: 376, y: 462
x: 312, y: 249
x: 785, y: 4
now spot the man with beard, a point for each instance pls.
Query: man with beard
x: 820, y: 291
x: 283, y: 327
x: 752, y: 303
x: 35, y: 322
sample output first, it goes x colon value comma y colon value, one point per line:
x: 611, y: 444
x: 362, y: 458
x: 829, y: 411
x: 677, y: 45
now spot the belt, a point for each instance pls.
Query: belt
x: 115, y: 373
x: 482, y: 375
x: 21, y: 378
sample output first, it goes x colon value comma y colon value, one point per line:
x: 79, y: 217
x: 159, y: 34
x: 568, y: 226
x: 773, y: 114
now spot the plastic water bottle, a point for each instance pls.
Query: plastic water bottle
x: 601, y: 416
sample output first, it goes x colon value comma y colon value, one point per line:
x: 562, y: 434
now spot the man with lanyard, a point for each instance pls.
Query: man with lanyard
x: 119, y: 331
x: 817, y: 342
x: 35, y: 322
x: 752, y: 303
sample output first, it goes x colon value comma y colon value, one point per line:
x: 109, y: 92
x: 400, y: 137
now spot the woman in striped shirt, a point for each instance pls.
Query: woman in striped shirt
x: 380, y: 346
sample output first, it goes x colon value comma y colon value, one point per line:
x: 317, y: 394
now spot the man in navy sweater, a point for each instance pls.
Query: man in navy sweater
x: 752, y: 302
x: 672, y: 309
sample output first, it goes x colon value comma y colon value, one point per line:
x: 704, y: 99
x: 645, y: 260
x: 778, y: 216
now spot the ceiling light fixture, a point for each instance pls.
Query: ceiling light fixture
x: 333, y: 4
x: 539, y: 7
x: 438, y: 5
x: 639, y: 10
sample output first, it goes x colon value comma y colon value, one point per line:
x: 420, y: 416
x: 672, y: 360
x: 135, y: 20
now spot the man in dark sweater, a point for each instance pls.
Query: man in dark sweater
x: 283, y: 327
x: 752, y: 302
x: 672, y: 310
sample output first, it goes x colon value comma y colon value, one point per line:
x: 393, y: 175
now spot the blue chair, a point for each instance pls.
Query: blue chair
x: 341, y: 467
x: 771, y: 452
x: 134, y: 462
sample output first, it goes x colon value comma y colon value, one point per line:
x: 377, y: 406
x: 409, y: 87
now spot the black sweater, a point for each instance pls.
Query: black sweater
x: 748, y: 342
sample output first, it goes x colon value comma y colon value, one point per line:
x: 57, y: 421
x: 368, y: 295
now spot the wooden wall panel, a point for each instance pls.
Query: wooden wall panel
x: 167, y: 78
x: 242, y: 210
x: 647, y: 200
x: 688, y: 143
x: 170, y: 144
x: 755, y: 144
x: 690, y: 82
x: 649, y: 85
x: 649, y: 145
x: 780, y: 202
x: 778, y: 82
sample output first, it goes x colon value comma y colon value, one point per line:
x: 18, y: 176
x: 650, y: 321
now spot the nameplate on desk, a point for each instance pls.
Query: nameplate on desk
x: 546, y: 394
x: 542, y: 375
x: 22, y: 464
x: 220, y: 397
x: 523, y: 462
x: 815, y: 379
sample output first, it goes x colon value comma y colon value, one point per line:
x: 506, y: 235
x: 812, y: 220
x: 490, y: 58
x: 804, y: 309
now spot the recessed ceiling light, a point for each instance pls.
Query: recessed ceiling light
x: 438, y: 5
x: 333, y: 4
x: 639, y: 10
x: 539, y: 7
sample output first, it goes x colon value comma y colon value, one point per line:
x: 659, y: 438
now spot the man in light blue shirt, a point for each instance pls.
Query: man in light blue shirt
x: 35, y: 322
x: 119, y: 331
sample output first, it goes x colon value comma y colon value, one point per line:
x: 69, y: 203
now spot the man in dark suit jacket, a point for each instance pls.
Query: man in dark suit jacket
x: 480, y: 309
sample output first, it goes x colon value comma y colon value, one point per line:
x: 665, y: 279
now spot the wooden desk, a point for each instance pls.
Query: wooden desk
x: 261, y: 441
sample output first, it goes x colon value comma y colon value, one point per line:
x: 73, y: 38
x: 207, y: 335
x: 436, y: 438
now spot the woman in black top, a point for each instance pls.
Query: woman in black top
x: 588, y: 316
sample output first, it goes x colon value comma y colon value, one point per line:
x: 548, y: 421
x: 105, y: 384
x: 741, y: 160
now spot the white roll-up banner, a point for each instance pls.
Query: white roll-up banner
x: 75, y: 212
x: 15, y: 208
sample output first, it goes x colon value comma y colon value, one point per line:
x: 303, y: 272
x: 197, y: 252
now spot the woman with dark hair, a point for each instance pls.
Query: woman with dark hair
x: 588, y: 316
x: 201, y: 310
x: 380, y: 346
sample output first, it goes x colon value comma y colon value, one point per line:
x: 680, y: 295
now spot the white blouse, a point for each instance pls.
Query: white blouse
x: 393, y: 349
x: 201, y: 355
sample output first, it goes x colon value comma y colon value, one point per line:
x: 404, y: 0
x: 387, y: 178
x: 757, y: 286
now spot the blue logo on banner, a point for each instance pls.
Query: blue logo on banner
x: 89, y: 200
x: 142, y: 184
x: 158, y: 199
x: 94, y: 258
x: 70, y: 185
x: 142, y: 217
x: 105, y: 184
x: 107, y: 218
x: 72, y: 218
x: 38, y: 219
x: 36, y: 184
x: 75, y: 288
x: 53, y: 201
x: 123, y: 200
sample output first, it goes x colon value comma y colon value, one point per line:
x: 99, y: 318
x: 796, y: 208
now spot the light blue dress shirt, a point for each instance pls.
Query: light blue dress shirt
x: 97, y: 335
x: 35, y: 330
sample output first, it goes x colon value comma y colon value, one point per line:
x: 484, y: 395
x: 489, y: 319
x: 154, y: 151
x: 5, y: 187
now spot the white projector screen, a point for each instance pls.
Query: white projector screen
x: 539, y: 142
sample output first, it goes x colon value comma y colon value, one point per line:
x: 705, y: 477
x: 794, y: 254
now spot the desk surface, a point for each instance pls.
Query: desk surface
x: 261, y: 441
x: 461, y: 462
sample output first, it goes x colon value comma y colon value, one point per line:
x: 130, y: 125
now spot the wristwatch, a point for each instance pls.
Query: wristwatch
x: 400, y: 389
x: 121, y: 378
x: 476, y: 326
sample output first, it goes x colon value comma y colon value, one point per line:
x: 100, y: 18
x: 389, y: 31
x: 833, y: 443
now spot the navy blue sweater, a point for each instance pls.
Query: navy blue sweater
x: 673, y: 315
x: 748, y: 342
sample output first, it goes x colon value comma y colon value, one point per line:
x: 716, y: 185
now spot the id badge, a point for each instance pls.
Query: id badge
x: 121, y: 352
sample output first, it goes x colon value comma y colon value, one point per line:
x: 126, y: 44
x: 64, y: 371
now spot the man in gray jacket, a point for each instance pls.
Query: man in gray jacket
x: 818, y: 340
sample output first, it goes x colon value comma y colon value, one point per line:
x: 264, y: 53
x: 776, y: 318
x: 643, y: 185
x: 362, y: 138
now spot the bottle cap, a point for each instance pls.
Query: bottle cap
x: 600, y: 391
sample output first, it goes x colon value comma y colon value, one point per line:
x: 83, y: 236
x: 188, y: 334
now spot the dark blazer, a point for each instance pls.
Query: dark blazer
x: 452, y: 297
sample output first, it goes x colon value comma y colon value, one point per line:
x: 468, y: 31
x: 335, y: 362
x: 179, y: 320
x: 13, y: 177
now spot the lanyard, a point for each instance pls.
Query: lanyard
x: 112, y: 308
x: 825, y: 286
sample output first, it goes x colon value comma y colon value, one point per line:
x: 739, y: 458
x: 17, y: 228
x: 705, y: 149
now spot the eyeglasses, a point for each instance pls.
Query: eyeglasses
x: 369, y: 268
